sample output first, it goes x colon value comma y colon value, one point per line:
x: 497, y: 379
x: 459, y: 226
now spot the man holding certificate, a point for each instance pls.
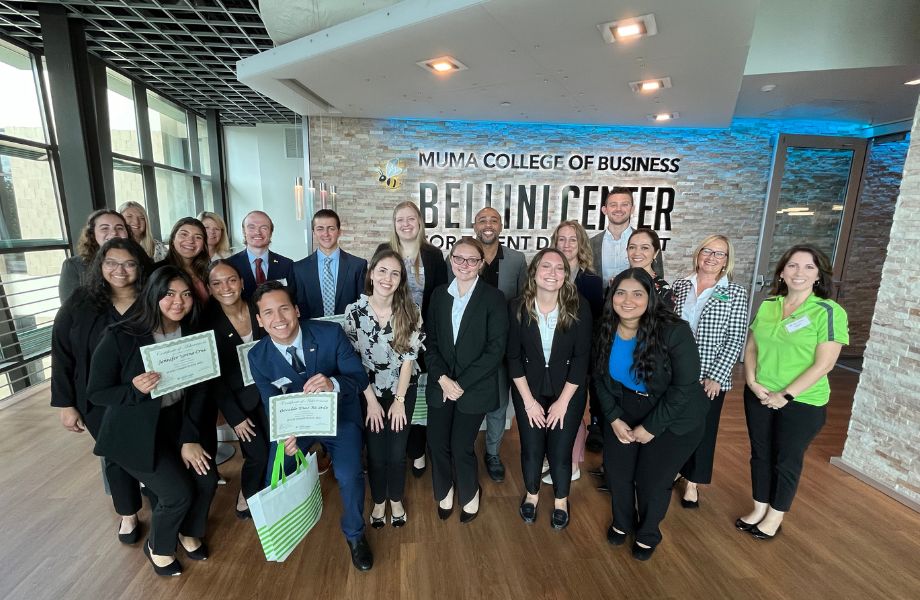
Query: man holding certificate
x: 314, y: 357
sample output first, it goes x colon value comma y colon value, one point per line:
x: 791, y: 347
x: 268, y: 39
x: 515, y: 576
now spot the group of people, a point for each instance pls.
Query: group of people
x: 588, y: 322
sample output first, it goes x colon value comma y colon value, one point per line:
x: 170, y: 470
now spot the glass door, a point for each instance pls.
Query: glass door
x: 811, y: 199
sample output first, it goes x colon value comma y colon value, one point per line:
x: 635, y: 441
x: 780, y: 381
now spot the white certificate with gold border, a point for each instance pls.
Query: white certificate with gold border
x: 308, y: 415
x: 182, y: 362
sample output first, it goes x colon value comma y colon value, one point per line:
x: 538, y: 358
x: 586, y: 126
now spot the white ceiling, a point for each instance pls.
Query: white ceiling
x: 549, y: 61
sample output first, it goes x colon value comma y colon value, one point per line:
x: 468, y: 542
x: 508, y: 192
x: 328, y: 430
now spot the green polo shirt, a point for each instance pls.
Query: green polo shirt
x: 786, y: 347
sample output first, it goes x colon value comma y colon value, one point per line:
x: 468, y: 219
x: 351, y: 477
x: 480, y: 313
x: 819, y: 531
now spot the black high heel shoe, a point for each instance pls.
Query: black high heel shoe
x: 466, y: 517
x: 173, y: 569
x: 132, y: 536
x: 199, y: 553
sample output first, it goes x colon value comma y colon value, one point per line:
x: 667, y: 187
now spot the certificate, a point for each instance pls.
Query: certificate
x: 242, y: 354
x: 182, y: 362
x: 311, y: 415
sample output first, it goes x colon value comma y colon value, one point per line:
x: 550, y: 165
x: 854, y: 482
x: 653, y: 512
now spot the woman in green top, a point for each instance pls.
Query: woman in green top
x: 795, y: 340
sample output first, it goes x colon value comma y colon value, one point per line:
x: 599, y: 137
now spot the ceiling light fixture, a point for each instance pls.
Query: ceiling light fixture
x: 912, y: 82
x: 628, y: 29
x: 442, y: 65
x: 650, y: 85
x: 664, y: 116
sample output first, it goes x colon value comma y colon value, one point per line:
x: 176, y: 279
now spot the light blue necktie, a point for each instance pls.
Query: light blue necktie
x: 328, y: 288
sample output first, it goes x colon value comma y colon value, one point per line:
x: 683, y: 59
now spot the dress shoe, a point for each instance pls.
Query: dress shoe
x: 132, y: 536
x: 560, y: 518
x: 640, y: 553
x: 690, y: 503
x: 417, y: 472
x: 760, y: 535
x: 378, y: 522
x: 614, y: 537
x: 173, y: 569
x: 467, y: 517
x: 361, y: 556
x: 528, y: 511
x: 242, y: 515
x: 199, y: 553
x: 598, y: 472
x: 398, y: 521
x: 744, y: 525
x: 444, y: 513
x: 494, y: 467
x: 603, y: 488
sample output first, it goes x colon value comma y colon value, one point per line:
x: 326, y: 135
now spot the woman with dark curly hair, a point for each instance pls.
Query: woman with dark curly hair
x: 549, y: 344
x: 794, y: 343
x: 101, y: 226
x: 113, y: 281
x: 188, y: 250
x: 647, y: 376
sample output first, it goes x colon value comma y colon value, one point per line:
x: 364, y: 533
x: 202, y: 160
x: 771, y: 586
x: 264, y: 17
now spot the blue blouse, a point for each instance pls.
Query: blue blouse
x: 621, y: 362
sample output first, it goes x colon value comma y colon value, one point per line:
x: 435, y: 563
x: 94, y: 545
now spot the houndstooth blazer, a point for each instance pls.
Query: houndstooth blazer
x: 722, y: 329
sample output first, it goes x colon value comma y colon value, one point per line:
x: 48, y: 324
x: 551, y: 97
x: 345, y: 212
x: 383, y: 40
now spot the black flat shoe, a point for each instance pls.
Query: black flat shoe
x: 199, y: 553
x: 614, y: 537
x: 242, y: 515
x: 378, y: 522
x: 399, y: 521
x: 361, y: 556
x: 528, y: 511
x: 173, y: 569
x: 417, y: 472
x: 640, y: 553
x: 690, y: 503
x: 445, y: 513
x: 132, y: 536
x: 760, y: 535
x: 744, y: 525
x: 560, y: 518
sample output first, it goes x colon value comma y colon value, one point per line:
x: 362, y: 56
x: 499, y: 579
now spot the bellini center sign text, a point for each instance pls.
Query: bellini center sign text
x: 534, y: 192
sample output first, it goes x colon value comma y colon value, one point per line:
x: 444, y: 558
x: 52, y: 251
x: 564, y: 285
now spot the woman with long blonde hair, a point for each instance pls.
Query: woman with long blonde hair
x: 218, y: 240
x: 425, y: 270
x: 549, y: 347
x: 136, y: 216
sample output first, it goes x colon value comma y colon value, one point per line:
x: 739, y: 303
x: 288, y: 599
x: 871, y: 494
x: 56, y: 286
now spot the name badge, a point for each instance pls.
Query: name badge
x: 721, y: 297
x: 280, y: 383
x: 798, y: 324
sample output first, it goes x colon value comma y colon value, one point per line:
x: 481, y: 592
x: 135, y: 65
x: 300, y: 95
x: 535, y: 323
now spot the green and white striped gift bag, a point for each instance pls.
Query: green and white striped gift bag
x: 420, y: 414
x: 286, y: 511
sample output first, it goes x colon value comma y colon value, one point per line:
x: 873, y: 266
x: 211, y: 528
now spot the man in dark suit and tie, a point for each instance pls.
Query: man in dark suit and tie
x: 256, y: 263
x: 315, y: 356
x: 330, y: 279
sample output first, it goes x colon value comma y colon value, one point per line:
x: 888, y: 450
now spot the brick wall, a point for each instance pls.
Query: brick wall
x: 884, y: 435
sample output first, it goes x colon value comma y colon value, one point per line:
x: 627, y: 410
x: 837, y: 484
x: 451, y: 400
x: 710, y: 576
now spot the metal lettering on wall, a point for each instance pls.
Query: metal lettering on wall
x: 531, y: 209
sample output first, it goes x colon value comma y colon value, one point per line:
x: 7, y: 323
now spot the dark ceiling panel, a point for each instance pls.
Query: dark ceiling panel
x: 186, y: 49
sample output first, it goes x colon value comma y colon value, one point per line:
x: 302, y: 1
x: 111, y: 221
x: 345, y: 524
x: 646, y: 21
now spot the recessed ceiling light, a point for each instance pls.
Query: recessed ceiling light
x: 664, y: 116
x: 628, y: 29
x: 442, y: 65
x: 768, y: 88
x: 506, y: 103
x: 650, y: 85
x: 912, y: 82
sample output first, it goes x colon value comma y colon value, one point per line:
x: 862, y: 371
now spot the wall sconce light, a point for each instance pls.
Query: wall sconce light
x: 298, y: 198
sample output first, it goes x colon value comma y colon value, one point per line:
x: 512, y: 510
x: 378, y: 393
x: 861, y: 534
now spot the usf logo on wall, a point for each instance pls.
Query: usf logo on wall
x: 390, y: 174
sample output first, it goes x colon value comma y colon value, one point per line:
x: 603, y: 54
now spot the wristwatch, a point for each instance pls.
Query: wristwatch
x: 400, y: 398
x: 788, y: 396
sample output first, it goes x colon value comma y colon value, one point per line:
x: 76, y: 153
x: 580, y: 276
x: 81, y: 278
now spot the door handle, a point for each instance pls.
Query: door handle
x: 760, y: 282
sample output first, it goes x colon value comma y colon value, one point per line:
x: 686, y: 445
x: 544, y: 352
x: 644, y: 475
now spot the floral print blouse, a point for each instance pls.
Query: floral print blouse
x: 372, y: 343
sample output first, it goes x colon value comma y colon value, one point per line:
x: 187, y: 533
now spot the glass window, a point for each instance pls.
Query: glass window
x: 168, y: 132
x: 122, y: 115
x: 20, y: 112
x: 175, y: 199
x: 129, y: 182
x: 207, y: 194
x: 204, y: 152
x: 28, y: 201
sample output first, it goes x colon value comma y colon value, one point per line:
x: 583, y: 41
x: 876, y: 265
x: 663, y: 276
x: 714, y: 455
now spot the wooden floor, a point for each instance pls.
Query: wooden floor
x: 842, y: 539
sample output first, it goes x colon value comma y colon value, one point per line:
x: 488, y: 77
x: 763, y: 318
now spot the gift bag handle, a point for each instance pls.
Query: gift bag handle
x: 278, y: 466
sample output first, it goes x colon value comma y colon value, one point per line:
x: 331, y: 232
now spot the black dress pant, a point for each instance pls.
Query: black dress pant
x: 555, y: 444
x: 255, y: 453
x: 640, y: 476
x: 417, y: 441
x: 779, y: 439
x: 698, y: 467
x: 180, y: 498
x: 125, y: 489
x: 386, y: 452
x: 451, y: 442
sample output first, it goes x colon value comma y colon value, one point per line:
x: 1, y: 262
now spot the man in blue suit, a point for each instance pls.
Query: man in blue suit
x: 256, y: 263
x: 329, y: 279
x: 315, y: 356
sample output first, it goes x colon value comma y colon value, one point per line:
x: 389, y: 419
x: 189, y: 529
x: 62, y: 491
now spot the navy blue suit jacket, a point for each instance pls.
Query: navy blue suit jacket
x: 279, y: 267
x: 326, y: 350
x: 308, y: 291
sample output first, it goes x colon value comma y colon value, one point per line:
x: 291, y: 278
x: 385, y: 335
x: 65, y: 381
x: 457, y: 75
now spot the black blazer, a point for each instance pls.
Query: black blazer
x: 474, y: 360
x: 680, y: 402
x: 128, y: 432
x: 591, y: 287
x: 78, y: 328
x: 349, y: 284
x: 279, y: 267
x: 569, y: 357
x: 227, y: 391
x: 435, y: 270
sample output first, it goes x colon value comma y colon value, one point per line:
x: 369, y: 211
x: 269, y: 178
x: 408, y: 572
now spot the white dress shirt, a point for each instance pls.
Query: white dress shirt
x: 694, y: 305
x: 614, y: 259
x: 460, y: 303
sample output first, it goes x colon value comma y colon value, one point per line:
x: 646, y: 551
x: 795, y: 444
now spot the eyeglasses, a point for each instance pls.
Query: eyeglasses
x: 111, y: 265
x: 710, y: 252
x: 470, y: 262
